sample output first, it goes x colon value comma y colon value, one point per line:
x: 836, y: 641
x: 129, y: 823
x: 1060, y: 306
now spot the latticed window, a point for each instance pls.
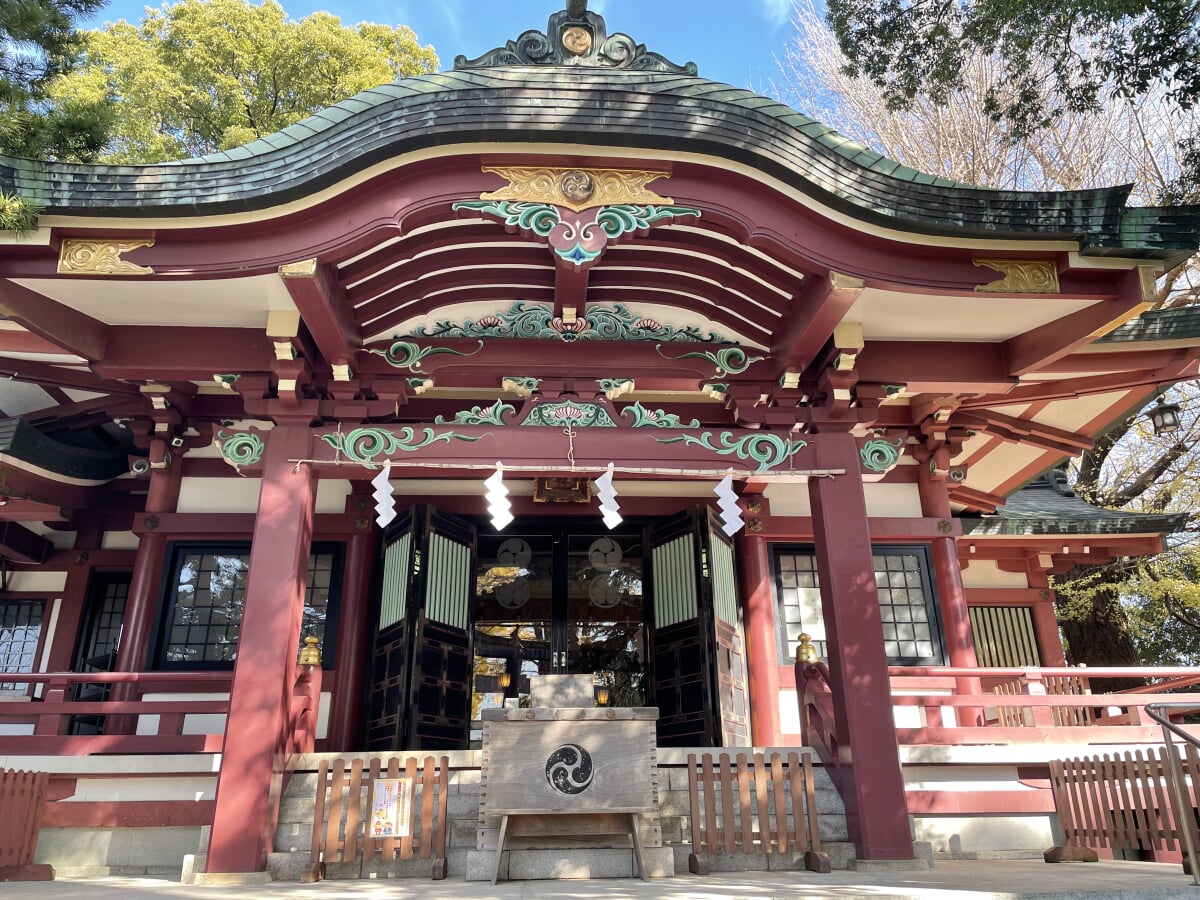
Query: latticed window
x: 907, y: 607
x: 20, y: 634
x: 207, y: 595
x: 1004, y: 636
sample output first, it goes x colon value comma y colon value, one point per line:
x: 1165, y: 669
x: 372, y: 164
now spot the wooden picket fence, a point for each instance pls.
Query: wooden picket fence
x: 1122, y: 803
x: 1052, y: 685
x: 761, y: 806
x: 21, y: 797
x: 345, y: 799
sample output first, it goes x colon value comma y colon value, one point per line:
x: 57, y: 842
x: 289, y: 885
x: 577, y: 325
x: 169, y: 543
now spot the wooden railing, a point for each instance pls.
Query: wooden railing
x: 51, y: 714
x: 346, y: 797
x: 762, y: 806
x: 21, y: 797
x: 1125, y: 802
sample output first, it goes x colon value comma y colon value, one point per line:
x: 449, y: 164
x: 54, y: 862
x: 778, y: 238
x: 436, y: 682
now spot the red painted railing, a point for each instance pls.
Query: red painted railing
x: 1012, y: 706
x: 52, y: 712
x: 1034, y: 705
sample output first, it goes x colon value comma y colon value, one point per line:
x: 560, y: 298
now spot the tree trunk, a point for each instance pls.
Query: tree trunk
x: 1100, y: 637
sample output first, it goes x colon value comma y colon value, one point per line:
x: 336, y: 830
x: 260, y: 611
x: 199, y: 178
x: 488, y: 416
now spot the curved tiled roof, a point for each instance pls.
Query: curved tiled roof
x: 1048, y: 507
x: 594, y: 106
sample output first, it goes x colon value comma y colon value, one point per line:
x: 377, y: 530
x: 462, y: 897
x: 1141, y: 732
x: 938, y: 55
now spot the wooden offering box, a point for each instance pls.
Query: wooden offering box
x: 596, y: 766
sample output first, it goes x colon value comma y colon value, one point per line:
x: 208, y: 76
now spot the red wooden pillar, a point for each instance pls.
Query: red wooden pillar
x: 354, y: 631
x: 762, y: 655
x: 141, y: 609
x: 947, y: 570
x: 247, y: 804
x: 876, y: 808
x: 75, y: 594
x: 1045, y: 620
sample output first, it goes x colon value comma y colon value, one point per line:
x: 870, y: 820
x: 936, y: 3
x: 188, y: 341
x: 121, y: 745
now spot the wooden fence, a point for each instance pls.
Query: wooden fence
x: 21, y: 798
x: 346, y: 799
x: 765, y: 806
x: 1122, y: 803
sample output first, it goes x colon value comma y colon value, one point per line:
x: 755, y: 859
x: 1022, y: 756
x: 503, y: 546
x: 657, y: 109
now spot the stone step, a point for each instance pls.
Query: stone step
x: 529, y: 865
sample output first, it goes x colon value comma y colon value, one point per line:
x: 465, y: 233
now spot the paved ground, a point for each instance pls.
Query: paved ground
x: 976, y: 880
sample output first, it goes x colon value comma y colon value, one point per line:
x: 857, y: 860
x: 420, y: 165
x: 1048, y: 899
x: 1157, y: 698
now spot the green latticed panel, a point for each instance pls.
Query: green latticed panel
x: 724, y: 586
x: 674, y: 581
x: 395, y: 582
x: 448, y: 591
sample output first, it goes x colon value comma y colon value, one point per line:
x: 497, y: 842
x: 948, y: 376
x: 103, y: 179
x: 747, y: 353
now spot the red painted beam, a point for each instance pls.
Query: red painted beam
x: 323, y: 307
x: 694, y: 275
x: 479, y: 263
x: 14, y: 340
x: 1031, y: 351
x: 20, y: 544
x: 62, y: 326
x: 1133, y: 361
x: 935, y: 366
x: 1024, y: 431
x: 570, y: 288
x: 818, y: 307
x: 61, y: 376
x: 169, y: 353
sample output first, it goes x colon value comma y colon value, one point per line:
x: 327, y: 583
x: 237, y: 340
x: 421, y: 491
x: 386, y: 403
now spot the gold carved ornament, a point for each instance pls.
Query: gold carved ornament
x: 576, y: 189
x: 79, y: 256
x: 1020, y: 276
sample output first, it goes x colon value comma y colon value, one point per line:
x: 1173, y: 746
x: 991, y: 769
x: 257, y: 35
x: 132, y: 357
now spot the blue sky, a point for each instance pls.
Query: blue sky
x: 734, y: 42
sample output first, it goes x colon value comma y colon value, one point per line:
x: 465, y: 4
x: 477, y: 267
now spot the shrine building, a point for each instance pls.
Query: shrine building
x: 563, y: 361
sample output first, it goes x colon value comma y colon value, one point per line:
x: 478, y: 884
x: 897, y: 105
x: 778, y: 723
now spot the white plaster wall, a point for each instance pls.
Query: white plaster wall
x: 332, y: 494
x: 37, y: 581
x: 119, y: 540
x: 175, y: 787
x: 227, y: 495
x: 892, y: 500
x: 789, y: 711
x: 985, y: 573
x: 788, y: 498
x: 204, y: 723
x: 977, y: 833
x: 157, y: 848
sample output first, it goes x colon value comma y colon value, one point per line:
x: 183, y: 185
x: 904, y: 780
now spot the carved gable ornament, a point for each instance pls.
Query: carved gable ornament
x: 576, y: 189
x: 79, y: 256
x: 576, y: 37
x: 1021, y: 276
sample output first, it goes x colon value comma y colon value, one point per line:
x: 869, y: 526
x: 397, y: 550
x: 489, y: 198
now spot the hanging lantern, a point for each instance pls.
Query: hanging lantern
x: 1164, y: 417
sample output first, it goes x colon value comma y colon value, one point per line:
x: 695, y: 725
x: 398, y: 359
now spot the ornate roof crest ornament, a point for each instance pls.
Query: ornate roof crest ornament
x: 576, y: 37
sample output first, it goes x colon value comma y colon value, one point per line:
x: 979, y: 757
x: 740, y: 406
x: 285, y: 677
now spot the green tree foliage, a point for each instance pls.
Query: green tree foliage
x: 38, y: 43
x: 200, y: 76
x: 1129, y: 609
x: 1086, y: 51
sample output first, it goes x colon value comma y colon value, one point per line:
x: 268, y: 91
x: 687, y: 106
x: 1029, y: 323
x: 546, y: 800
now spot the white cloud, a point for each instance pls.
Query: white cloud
x: 776, y: 11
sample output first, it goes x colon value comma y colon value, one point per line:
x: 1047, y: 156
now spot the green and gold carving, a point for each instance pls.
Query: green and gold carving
x: 766, y: 450
x: 569, y: 412
x: 477, y: 415
x: 655, y: 418
x: 241, y: 448
x: 363, y: 445
x: 407, y: 355
x: 520, y: 385
x: 879, y: 455
x: 728, y: 361
x: 536, y: 321
x: 615, y: 387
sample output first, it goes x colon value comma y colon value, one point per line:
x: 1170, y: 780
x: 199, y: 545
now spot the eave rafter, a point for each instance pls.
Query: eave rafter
x: 319, y: 301
x: 57, y: 323
x: 1025, y: 431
